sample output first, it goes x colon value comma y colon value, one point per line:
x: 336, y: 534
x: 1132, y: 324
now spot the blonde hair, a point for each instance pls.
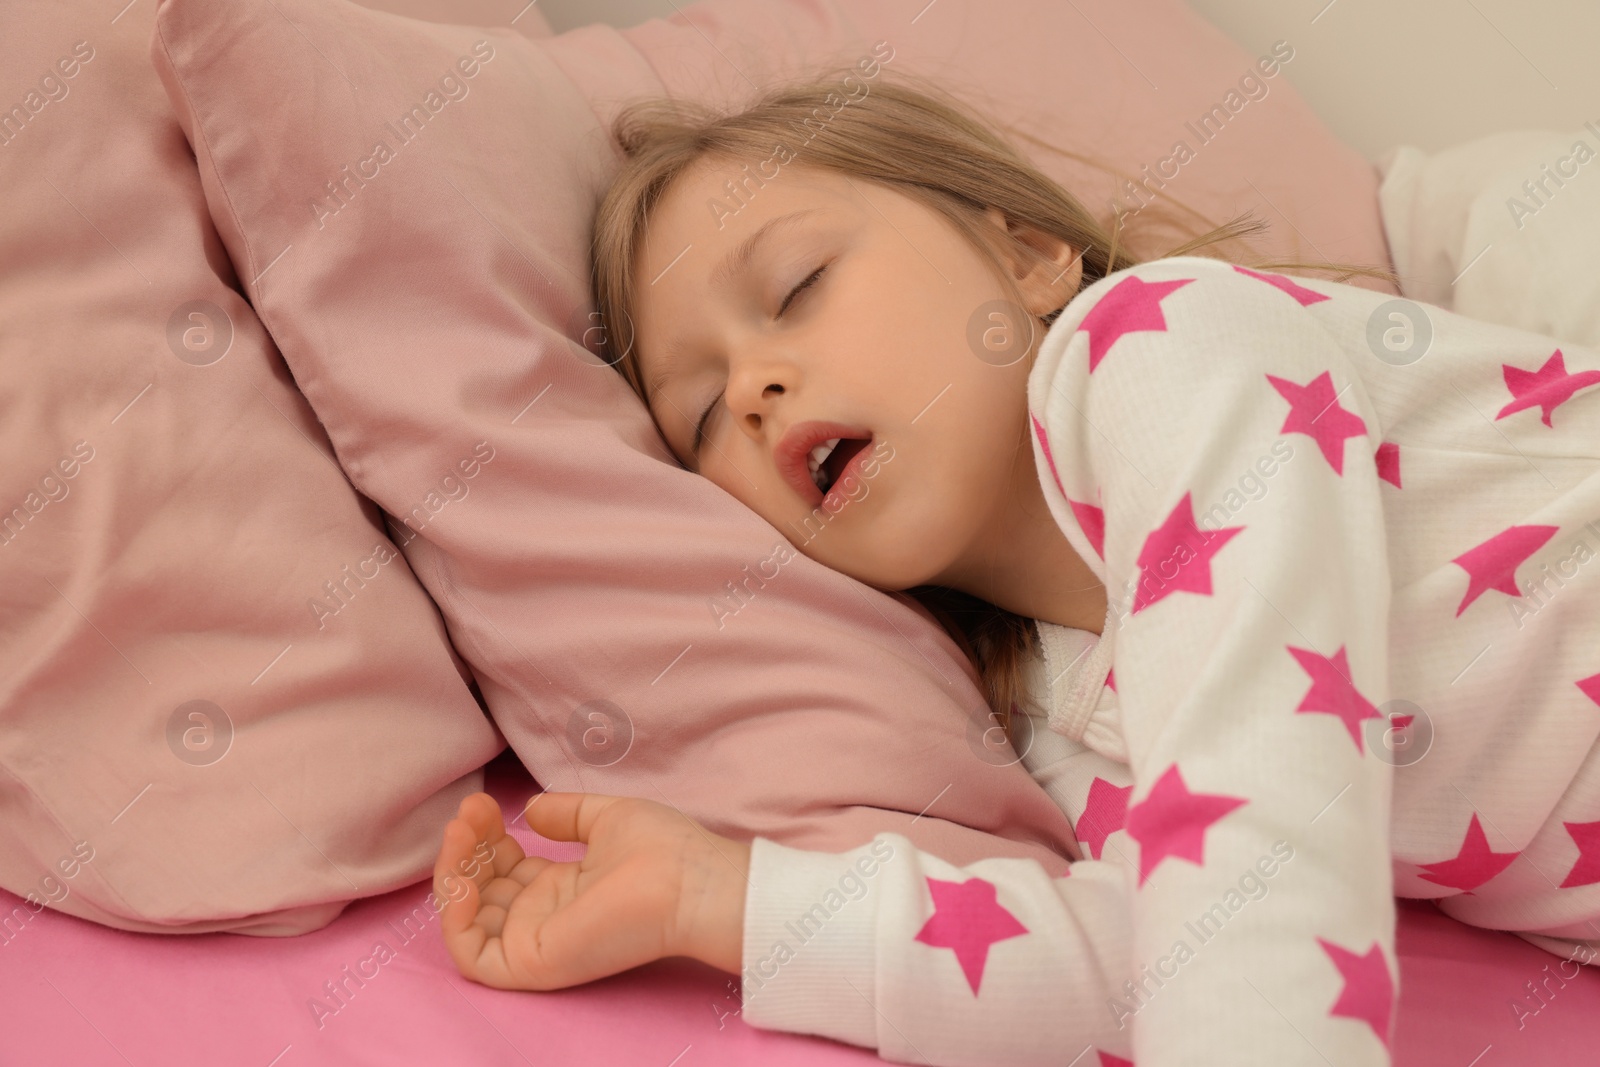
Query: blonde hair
x: 928, y: 146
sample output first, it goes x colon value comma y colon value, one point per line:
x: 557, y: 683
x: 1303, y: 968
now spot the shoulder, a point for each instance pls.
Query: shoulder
x: 1192, y: 288
x: 1168, y: 321
x: 1217, y: 275
x: 1158, y: 370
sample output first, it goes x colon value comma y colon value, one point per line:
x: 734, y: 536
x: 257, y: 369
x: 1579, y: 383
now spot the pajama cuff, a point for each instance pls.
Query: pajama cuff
x: 810, y: 920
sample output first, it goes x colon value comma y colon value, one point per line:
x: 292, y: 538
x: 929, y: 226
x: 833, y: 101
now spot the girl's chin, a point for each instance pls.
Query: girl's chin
x: 894, y: 575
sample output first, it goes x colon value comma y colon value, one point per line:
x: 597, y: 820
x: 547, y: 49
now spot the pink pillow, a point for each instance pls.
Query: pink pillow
x: 635, y: 630
x: 1126, y: 84
x: 188, y: 742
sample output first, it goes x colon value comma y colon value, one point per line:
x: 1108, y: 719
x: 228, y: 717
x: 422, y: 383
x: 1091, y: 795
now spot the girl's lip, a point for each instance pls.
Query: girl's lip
x: 793, y: 451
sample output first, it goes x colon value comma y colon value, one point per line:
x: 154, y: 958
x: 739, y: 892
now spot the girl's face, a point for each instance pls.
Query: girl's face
x: 855, y: 306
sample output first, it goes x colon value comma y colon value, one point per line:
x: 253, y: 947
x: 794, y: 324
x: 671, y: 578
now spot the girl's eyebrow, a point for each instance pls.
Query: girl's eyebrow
x: 739, y: 259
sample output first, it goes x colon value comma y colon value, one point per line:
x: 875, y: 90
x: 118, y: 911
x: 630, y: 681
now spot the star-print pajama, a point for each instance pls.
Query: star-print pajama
x: 1352, y: 651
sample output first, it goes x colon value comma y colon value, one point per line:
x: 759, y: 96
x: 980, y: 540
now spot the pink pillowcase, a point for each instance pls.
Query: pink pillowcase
x: 1125, y: 83
x: 411, y: 205
x: 187, y: 741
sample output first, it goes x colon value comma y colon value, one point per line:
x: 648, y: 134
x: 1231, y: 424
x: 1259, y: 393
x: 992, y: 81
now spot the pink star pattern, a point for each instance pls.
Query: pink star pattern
x: 1546, y: 388
x: 1368, y: 994
x: 1299, y: 292
x: 1111, y: 682
x: 1332, y: 692
x: 1315, y: 411
x: 968, y: 918
x: 1171, y: 821
x: 1104, y: 812
x: 1387, y: 458
x: 1493, y: 564
x: 1108, y: 1060
x: 1093, y: 521
x: 1474, y: 865
x: 1586, y: 871
x: 1192, y: 572
x: 1044, y: 446
x: 1132, y: 306
x: 1590, y: 687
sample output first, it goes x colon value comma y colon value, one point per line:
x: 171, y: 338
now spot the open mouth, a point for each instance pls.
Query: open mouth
x: 829, y: 459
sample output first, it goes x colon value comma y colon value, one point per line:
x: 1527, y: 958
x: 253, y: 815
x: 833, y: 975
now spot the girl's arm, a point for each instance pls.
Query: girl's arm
x: 885, y: 946
x: 993, y: 963
x: 1004, y: 966
x: 1217, y: 416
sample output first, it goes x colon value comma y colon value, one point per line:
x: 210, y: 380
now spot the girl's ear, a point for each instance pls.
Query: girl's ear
x: 1046, y: 280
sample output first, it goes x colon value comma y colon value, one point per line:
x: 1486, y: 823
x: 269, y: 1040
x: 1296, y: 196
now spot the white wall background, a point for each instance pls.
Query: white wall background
x: 1432, y: 73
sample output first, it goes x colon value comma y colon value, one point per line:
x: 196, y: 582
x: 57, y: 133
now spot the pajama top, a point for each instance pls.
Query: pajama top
x: 1352, y: 651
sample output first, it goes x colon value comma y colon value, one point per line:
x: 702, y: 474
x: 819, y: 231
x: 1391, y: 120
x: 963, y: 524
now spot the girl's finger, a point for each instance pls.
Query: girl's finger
x: 482, y: 812
x: 499, y: 893
x: 565, y: 816
x: 458, y: 896
x: 494, y: 853
x: 476, y: 955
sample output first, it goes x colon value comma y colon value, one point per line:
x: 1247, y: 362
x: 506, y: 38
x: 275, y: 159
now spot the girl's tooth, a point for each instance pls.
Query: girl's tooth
x: 818, y: 456
x: 820, y: 453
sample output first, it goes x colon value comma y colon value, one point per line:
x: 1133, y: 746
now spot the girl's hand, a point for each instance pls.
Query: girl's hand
x: 653, y: 884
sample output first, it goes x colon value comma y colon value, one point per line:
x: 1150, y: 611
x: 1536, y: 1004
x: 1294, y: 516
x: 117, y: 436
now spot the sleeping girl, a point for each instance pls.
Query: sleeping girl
x: 1292, y: 610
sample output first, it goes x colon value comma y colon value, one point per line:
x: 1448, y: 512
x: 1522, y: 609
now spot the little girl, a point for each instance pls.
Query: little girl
x: 1313, y: 621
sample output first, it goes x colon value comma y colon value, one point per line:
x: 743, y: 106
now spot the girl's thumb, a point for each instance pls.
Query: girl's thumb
x: 564, y: 816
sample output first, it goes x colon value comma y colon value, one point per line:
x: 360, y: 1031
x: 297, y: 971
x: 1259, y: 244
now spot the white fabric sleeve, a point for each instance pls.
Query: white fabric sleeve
x: 1233, y: 447
x: 884, y: 946
x: 813, y: 922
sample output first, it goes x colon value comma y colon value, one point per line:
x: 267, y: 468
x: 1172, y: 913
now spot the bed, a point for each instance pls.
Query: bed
x: 81, y: 994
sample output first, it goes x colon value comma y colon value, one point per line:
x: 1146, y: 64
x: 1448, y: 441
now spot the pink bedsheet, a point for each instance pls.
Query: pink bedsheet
x: 73, y: 993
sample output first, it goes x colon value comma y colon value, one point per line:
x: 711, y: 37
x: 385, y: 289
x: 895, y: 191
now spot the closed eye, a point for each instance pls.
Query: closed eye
x: 810, y: 280
x: 700, y: 426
